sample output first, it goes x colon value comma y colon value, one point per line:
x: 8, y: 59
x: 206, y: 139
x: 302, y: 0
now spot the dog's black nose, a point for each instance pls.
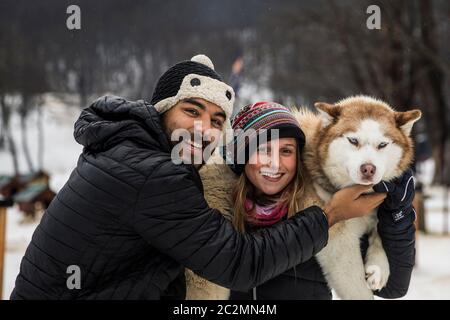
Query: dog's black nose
x: 368, y: 170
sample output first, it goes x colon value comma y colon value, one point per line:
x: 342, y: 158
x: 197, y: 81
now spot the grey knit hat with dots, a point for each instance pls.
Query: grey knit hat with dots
x: 192, y: 79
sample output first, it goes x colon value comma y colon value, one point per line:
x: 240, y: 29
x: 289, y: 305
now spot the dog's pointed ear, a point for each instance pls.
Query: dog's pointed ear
x: 328, y: 112
x: 405, y: 120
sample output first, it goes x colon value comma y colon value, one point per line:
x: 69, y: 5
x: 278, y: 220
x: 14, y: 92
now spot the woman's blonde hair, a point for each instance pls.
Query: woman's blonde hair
x: 244, y: 189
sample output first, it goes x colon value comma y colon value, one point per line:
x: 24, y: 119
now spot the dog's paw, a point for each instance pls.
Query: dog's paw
x: 374, y: 277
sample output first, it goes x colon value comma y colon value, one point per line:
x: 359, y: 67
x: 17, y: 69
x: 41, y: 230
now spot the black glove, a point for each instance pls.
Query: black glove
x: 400, y: 195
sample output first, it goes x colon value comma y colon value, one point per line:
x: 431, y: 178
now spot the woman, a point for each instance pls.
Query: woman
x: 267, y: 191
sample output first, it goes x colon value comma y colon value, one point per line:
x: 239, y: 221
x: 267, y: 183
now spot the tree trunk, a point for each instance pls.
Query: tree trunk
x: 436, y: 79
x: 24, y: 130
x: 40, y: 136
x: 6, y: 114
x: 13, y: 152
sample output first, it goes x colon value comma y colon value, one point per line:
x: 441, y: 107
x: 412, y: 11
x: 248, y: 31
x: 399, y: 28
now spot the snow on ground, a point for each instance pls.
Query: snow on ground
x: 18, y: 236
x: 436, y: 221
x: 431, y: 276
x: 430, y: 279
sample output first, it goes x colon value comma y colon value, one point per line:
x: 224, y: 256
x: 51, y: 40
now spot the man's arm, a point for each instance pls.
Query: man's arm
x: 173, y: 216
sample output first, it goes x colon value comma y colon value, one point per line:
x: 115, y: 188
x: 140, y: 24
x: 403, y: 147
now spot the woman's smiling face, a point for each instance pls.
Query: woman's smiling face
x: 273, y: 166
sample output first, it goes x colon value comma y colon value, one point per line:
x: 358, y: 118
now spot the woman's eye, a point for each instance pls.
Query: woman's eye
x: 382, y: 145
x: 353, y: 141
x: 286, y: 151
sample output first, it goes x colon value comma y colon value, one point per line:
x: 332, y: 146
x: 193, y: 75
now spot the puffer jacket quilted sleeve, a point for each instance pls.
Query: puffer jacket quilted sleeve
x: 173, y: 216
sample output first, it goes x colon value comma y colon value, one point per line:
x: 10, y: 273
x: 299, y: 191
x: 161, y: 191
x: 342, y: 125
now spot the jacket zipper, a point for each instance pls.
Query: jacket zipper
x: 254, y: 294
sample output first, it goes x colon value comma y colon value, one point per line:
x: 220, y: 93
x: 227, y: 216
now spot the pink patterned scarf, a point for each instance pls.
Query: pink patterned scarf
x: 265, y: 215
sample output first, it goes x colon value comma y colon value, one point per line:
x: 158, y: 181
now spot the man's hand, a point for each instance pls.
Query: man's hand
x: 400, y: 195
x: 350, y: 203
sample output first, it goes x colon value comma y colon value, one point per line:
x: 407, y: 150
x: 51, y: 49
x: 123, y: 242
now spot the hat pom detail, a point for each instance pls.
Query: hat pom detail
x: 201, y: 58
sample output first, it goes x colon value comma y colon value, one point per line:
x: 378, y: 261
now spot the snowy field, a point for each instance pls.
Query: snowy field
x: 430, y: 280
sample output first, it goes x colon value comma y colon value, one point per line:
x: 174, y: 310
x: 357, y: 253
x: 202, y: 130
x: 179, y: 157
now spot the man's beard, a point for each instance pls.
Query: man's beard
x: 192, y: 159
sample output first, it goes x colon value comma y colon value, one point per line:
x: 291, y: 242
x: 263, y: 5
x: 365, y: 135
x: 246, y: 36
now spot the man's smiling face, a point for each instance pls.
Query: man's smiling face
x: 202, y: 120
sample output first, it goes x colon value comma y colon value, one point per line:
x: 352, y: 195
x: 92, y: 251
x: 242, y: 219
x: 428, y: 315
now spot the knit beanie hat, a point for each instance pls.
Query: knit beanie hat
x: 192, y: 79
x: 261, y: 117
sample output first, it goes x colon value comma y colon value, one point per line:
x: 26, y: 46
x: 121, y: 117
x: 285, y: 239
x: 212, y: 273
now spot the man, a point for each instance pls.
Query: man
x: 129, y: 219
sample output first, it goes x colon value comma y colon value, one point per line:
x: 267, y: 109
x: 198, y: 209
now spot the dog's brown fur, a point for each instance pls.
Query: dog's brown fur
x: 218, y: 182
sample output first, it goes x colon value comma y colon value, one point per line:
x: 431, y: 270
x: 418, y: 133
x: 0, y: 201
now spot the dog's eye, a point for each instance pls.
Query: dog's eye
x: 382, y: 145
x: 353, y: 141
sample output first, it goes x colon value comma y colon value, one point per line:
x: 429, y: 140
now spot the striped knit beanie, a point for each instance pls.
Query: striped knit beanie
x: 261, y: 117
x: 192, y: 79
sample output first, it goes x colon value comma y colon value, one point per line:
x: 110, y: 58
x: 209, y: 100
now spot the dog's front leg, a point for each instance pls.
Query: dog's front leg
x: 377, y: 264
x: 342, y: 265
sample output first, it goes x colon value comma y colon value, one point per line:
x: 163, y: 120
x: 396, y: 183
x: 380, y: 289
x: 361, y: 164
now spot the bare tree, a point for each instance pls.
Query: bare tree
x: 325, y: 51
x: 6, y: 115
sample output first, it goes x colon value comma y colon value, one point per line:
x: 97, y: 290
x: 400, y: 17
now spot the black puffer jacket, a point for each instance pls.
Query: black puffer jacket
x: 302, y: 282
x: 131, y: 220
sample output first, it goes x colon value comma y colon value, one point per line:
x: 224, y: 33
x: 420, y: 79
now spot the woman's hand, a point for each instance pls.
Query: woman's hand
x: 350, y: 203
x: 400, y: 195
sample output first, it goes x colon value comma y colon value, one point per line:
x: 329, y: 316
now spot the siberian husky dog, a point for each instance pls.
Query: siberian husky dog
x: 359, y: 140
